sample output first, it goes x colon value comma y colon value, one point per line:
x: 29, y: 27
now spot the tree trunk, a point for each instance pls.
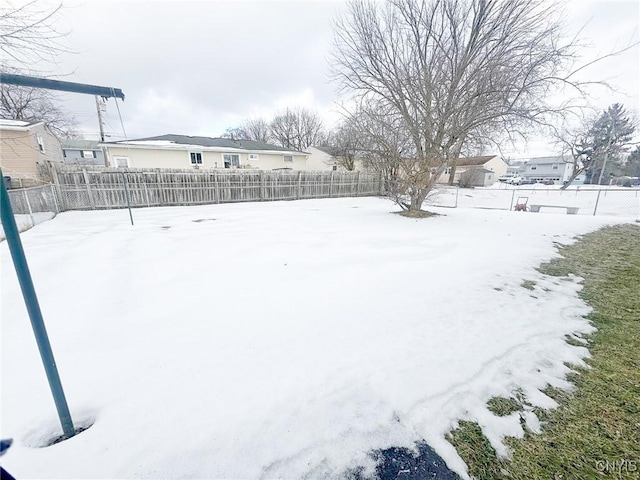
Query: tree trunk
x: 452, y: 173
x: 417, y: 199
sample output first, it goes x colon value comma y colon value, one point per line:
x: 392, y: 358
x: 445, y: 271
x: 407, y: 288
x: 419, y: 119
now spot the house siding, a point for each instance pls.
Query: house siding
x: 179, y: 158
x: 495, y: 164
x: 319, y: 160
x: 73, y: 156
x: 20, y: 153
x: 543, y: 170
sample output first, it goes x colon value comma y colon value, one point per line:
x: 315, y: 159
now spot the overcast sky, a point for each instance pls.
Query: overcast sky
x: 196, y: 68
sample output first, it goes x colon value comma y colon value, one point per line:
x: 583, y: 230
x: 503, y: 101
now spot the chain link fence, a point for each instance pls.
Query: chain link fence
x: 587, y: 200
x: 32, y: 206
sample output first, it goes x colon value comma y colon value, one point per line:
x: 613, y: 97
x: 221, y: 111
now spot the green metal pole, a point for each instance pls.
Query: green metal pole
x: 126, y: 194
x: 33, y: 308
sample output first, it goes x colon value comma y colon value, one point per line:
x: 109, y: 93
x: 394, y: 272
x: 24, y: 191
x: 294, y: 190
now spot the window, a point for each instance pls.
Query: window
x: 335, y: 168
x: 555, y: 166
x: 447, y: 171
x: 231, y: 160
x: 253, y: 157
x: 121, y: 162
x: 196, y: 158
x: 288, y: 158
x: 40, y: 143
x: 88, y: 154
x: 533, y: 167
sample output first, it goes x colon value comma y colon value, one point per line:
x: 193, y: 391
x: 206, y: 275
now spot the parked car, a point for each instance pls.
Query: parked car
x: 511, y: 178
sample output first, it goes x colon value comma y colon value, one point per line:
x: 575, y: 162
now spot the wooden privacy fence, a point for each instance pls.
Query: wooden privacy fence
x: 82, y: 188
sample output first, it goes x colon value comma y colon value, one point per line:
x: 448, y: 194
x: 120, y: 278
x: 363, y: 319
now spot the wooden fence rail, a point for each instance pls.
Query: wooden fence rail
x: 85, y: 188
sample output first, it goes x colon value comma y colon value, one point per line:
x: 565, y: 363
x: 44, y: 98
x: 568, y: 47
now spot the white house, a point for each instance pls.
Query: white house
x: 327, y: 158
x: 542, y: 169
x: 321, y: 159
x: 26, y: 149
x: 182, y: 151
x: 490, y: 163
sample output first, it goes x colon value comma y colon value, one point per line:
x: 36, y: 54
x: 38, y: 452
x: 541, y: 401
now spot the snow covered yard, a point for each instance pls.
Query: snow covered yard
x: 280, y: 339
x: 25, y: 222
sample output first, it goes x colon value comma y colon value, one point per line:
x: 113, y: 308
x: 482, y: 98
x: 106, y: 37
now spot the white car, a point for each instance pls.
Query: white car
x: 511, y: 179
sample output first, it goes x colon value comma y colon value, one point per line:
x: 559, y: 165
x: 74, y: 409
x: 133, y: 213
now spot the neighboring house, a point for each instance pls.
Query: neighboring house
x: 516, y: 166
x: 26, y: 148
x: 82, y: 152
x: 321, y: 158
x: 327, y: 158
x: 492, y: 163
x: 182, y: 151
x: 542, y: 169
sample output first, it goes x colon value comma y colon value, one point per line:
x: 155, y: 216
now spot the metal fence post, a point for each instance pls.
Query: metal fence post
x: 33, y: 309
x: 457, y: 192
x: 595, y: 209
x: 126, y: 195
x: 513, y: 194
x: 26, y: 199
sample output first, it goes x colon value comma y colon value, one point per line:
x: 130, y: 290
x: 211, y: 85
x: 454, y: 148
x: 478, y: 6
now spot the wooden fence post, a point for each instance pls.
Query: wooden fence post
x: 357, y: 184
x: 89, y: 192
x: 146, y: 192
x: 261, y: 185
x: 331, y: 184
x: 58, y: 191
x: 216, y: 187
x: 299, y: 185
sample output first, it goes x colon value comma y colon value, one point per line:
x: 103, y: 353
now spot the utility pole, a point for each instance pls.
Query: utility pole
x: 100, y: 118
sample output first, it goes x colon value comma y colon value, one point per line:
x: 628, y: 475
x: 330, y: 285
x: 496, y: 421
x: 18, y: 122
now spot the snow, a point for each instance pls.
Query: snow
x: 283, y: 339
x: 616, y: 201
x: 25, y: 222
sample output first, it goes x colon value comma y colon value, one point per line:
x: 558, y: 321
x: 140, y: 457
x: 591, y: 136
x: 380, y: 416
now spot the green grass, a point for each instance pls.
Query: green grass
x: 595, y: 433
x: 502, y: 406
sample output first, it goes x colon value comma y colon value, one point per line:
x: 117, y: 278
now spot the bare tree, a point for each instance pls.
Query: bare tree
x: 296, y: 128
x: 446, y: 70
x: 234, y: 133
x: 257, y: 129
x: 36, y: 104
x: 346, y: 142
x: 28, y: 35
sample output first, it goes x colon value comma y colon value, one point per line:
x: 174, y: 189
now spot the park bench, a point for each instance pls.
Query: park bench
x: 570, y: 210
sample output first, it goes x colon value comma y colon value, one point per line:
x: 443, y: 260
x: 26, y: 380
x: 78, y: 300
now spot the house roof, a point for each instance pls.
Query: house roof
x: 327, y: 149
x: 80, y: 144
x: 544, y: 160
x: 474, y: 161
x: 11, y: 124
x: 187, y: 140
